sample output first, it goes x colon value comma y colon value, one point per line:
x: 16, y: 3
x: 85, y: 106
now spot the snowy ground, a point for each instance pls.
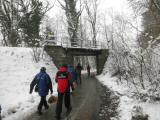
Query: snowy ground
x: 127, y: 102
x: 17, y: 70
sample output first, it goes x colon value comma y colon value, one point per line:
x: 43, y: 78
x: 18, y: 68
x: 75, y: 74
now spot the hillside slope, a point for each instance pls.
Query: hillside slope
x: 17, y: 70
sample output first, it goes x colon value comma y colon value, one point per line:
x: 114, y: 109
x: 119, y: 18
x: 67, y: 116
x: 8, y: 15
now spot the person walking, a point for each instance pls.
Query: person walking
x: 63, y: 79
x: 73, y: 73
x: 78, y: 70
x: 43, y: 84
x: 88, y: 70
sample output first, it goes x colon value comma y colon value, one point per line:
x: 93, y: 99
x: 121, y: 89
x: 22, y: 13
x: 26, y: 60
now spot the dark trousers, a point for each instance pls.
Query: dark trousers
x: 42, y: 103
x: 67, y: 102
x: 79, y: 77
x: 88, y: 73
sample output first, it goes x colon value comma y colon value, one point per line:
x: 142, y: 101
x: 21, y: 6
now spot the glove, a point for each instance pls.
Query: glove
x: 72, y: 88
x: 30, y: 92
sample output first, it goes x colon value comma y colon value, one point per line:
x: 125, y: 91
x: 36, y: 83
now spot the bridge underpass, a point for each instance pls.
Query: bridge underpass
x: 61, y: 55
x: 86, y: 98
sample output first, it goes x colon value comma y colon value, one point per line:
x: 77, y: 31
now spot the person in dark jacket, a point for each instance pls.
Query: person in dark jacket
x: 78, y: 70
x: 88, y: 70
x: 63, y: 79
x: 43, y: 84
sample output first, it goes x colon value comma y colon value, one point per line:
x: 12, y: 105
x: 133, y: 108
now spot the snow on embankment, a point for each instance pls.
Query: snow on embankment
x: 17, y: 70
x: 127, y: 102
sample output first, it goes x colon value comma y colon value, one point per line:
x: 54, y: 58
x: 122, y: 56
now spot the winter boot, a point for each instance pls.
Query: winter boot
x: 39, y: 112
x: 69, y: 110
x: 47, y: 107
x: 58, y: 117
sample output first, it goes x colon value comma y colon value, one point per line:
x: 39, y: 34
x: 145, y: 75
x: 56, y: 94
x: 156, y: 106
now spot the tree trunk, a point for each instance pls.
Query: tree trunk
x: 73, y: 20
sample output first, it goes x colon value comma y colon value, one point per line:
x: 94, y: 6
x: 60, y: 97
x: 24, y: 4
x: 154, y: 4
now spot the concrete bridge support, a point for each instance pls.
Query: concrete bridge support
x: 59, y: 55
x: 62, y: 55
x: 100, y: 60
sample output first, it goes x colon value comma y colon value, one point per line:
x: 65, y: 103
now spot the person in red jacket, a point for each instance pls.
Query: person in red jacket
x: 63, y: 79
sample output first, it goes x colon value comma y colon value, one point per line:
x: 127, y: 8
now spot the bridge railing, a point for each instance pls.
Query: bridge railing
x: 78, y: 43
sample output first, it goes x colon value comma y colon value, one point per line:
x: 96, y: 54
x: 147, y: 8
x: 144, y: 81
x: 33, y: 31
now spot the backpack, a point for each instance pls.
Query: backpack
x: 39, y: 78
x: 63, y: 81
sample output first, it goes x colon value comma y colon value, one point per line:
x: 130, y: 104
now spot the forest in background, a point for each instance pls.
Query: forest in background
x: 133, y: 41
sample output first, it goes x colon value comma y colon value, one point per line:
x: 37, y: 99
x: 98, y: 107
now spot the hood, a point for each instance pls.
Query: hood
x: 70, y: 69
x: 63, y: 69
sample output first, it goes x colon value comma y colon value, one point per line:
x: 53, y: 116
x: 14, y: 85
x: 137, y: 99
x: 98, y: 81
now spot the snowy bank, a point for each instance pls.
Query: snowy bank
x: 127, y: 102
x: 17, y: 69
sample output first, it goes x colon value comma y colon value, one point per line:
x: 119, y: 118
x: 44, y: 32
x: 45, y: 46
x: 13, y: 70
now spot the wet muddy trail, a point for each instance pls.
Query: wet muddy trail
x: 90, y: 101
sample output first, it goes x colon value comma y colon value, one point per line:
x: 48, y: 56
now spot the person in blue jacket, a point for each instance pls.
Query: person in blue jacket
x: 43, y: 84
x: 73, y: 73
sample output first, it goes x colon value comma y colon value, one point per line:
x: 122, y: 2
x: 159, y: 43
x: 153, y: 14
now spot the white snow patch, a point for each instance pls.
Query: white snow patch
x: 17, y: 70
x: 153, y: 109
x: 126, y: 101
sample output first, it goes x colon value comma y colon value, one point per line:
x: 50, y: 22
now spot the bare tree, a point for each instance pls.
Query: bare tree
x: 72, y: 19
x: 8, y: 14
x: 92, y: 17
x: 149, y: 9
x: 21, y: 18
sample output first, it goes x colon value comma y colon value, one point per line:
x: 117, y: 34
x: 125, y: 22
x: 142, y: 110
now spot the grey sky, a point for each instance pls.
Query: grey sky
x: 120, y: 6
